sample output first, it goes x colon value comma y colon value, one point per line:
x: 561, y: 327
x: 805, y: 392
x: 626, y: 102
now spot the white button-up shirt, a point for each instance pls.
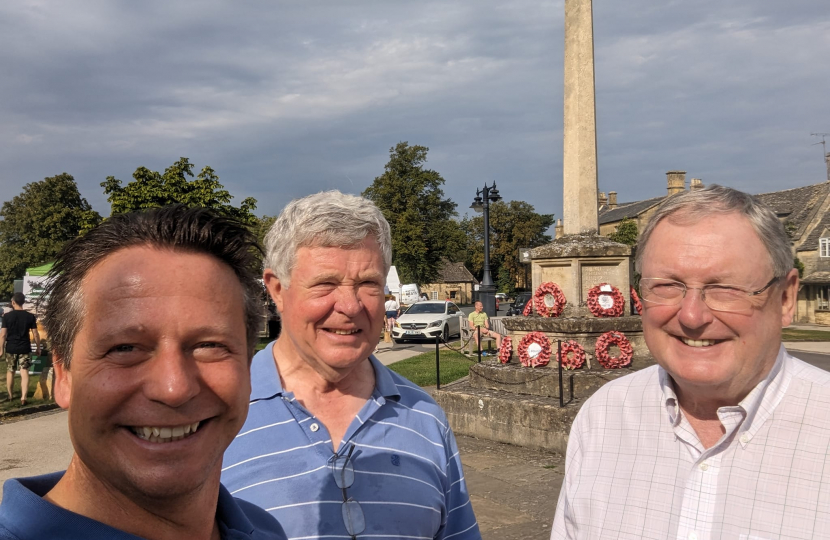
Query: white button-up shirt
x: 636, y: 469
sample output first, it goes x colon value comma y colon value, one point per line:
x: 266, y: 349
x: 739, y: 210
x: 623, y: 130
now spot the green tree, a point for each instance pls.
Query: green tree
x: 513, y: 225
x: 421, y: 218
x: 150, y: 189
x: 37, y: 223
x: 626, y: 232
x: 800, y: 266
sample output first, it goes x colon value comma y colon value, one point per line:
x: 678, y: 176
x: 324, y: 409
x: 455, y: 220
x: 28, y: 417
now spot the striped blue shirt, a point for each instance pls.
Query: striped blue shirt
x: 408, y: 476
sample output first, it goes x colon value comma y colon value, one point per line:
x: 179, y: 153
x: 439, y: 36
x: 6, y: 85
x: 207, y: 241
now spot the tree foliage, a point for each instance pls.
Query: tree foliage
x: 513, y: 225
x: 421, y: 218
x: 37, y: 223
x: 150, y: 189
x: 626, y: 232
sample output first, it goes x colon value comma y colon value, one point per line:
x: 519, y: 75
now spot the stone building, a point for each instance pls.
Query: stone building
x: 805, y: 212
x: 454, y: 282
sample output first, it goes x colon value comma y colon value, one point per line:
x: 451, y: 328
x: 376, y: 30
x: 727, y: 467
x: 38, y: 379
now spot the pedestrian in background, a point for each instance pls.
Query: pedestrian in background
x: 392, y: 308
x: 16, y: 345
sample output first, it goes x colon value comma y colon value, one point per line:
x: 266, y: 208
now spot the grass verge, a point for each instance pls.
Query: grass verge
x: 5, y: 404
x: 795, y: 334
x: 421, y: 369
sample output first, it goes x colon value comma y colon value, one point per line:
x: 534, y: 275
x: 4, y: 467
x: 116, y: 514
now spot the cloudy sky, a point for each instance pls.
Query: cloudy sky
x: 287, y: 98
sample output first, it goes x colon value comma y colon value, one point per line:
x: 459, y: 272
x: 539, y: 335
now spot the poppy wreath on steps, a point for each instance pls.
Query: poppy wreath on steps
x: 572, y: 355
x: 528, y: 310
x: 506, y: 349
x: 605, y: 300
x: 605, y: 341
x: 549, y: 292
x: 534, y: 342
x: 635, y: 299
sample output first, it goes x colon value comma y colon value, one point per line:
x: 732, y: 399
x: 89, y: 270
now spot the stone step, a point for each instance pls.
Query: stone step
x: 540, y: 381
x: 521, y: 420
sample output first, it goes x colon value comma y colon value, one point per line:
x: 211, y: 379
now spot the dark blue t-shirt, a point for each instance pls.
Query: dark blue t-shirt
x: 25, y: 515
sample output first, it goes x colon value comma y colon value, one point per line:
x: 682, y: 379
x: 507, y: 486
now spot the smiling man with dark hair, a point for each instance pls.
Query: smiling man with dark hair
x: 153, y: 320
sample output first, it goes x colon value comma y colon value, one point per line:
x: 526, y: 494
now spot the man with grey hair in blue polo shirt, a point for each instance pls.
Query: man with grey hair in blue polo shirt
x: 336, y: 445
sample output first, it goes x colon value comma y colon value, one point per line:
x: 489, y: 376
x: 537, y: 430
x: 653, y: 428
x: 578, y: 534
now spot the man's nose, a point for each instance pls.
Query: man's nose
x: 694, y: 312
x: 348, y: 301
x: 172, y: 378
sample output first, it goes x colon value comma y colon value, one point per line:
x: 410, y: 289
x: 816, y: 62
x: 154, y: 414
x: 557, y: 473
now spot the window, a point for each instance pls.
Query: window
x: 824, y: 247
x: 435, y: 295
x: 823, y: 297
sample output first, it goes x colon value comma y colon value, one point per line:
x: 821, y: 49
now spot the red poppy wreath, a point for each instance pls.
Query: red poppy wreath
x: 506, y: 349
x: 572, y: 355
x: 534, y: 349
x: 549, y: 300
x: 605, y: 341
x: 635, y: 299
x: 605, y: 300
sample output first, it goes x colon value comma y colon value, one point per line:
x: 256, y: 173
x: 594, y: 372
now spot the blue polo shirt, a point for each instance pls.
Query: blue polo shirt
x: 25, y: 515
x: 408, y: 478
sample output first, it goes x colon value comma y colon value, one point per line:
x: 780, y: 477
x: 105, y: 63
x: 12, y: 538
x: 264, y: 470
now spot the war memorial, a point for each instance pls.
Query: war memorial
x: 583, y: 299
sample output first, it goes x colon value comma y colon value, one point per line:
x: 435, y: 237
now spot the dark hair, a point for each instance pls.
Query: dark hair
x: 178, y: 228
x: 19, y: 299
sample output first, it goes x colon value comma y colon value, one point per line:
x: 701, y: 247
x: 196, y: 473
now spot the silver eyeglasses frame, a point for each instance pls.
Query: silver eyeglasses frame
x: 676, y: 301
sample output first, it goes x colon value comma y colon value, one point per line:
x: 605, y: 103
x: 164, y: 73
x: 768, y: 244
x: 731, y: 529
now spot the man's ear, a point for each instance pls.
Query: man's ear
x: 789, y: 297
x: 274, y: 287
x: 63, y: 382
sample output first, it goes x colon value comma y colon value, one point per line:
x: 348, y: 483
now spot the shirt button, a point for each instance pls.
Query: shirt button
x: 692, y: 535
x: 745, y: 437
x: 703, y: 467
x: 314, y: 427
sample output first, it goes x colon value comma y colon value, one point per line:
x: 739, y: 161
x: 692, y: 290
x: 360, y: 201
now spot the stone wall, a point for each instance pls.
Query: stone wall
x: 460, y: 293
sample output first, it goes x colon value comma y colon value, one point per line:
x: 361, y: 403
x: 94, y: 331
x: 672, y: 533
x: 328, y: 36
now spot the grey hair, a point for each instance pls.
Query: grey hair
x: 325, y: 219
x: 715, y: 199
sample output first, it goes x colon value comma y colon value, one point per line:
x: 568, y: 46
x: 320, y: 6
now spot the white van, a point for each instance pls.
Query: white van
x: 409, y: 295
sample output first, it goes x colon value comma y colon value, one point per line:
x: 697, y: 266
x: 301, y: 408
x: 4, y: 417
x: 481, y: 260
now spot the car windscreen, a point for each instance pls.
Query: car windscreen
x: 417, y: 309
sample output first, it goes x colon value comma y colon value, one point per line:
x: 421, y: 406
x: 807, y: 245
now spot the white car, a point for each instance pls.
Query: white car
x: 425, y: 320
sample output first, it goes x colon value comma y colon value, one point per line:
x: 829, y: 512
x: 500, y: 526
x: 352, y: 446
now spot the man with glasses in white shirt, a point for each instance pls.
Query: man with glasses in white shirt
x: 728, y: 436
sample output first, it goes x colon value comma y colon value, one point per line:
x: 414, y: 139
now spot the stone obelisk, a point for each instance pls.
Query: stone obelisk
x: 580, y: 152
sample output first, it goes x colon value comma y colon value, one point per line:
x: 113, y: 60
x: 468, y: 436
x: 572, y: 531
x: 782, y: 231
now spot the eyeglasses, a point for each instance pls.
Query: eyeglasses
x: 717, y: 296
x: 343, y: 472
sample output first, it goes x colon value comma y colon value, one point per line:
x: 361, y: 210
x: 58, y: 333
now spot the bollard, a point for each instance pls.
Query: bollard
x: 437, y: 365
x: 559, y: 361
x: 478, y: 333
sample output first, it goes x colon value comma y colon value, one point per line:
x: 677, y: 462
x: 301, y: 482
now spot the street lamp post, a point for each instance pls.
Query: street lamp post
x: 487, y: 289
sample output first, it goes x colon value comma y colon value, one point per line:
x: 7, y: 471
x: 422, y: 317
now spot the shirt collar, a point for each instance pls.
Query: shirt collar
x: 266, y: 383
x: 758, y: 404
x: 27, y: 514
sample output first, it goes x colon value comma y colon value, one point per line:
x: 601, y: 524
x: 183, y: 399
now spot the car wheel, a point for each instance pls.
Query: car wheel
x: 445, y: 334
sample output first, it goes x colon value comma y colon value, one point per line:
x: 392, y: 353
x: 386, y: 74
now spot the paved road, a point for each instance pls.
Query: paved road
x: 513, y: 490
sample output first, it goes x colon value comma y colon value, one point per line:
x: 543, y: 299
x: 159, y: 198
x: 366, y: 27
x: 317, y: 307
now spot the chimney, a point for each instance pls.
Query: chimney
x: 560, y: 230
x: 601, y: 200
x: 676, y: 181
x: 612, y: 199
x: 695, y: 184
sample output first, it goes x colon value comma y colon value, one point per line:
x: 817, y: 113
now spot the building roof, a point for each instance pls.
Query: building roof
x: 452, y: 272
x: 627, y: 210
x: 811, y: 242
x: 797, y: 207
x: 817, y: 277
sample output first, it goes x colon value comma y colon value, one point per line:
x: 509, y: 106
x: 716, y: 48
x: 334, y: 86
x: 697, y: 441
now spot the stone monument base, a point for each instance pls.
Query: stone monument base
x: 518, y: 405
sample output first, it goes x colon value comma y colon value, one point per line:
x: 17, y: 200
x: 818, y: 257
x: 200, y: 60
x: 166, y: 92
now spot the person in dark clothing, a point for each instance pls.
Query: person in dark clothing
x: 16, y: 345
